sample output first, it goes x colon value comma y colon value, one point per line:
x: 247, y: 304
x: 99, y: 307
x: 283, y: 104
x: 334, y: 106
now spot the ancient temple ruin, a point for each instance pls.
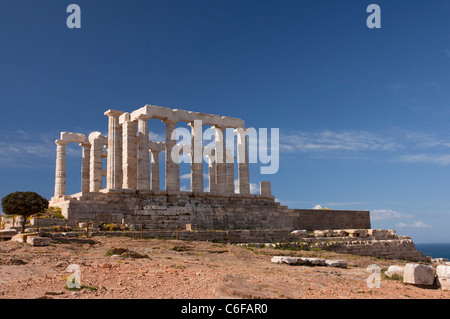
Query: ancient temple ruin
x: 132, y: 191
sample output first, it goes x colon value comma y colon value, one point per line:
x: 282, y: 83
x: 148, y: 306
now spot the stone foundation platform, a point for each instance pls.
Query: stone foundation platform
x: 204, y: 211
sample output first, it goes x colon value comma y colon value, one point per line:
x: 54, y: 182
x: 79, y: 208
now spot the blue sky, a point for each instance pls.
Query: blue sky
x: 363, y: 113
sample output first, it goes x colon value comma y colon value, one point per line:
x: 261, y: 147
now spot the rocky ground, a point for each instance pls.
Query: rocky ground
x: 193, y: 270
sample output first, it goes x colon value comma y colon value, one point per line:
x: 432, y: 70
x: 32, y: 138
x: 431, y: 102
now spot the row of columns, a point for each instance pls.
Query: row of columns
x: 128, y: 159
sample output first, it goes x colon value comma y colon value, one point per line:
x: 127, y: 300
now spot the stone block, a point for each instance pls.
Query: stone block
x: 287, y: 260
x: 313, y: 261
x: 38, y: 241
x: 22, y: 237
x: 394, y: 270
x: 443, y: 276
x: 7, y: 234
x: 299, y: 232
x: 336, y: 263
x: 418, y: 274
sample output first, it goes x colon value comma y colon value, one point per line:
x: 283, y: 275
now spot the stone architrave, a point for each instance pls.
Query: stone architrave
x: 60, y: 171
x: 85, y: 162
x: 172, y: 165
x: 221, y: 166
x: 114, y: 162
x: 143, y: 155
x: 196, y: 156
x: 129, y: 153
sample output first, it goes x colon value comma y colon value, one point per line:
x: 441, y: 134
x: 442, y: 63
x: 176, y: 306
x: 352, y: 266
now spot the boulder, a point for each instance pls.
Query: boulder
x: 336, y: 263
x: 38, y: 241
x: 443, y: 277
x: 394, y: 270
x: 7, y: 234
x: 22, y: 237
x: 418, y: 274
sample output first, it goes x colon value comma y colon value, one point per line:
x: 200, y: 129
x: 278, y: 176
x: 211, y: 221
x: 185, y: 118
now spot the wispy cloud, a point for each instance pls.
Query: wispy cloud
x: 418, y: 224
x: 386, y: 214
x: 441, y: 159
x: 334, y: 141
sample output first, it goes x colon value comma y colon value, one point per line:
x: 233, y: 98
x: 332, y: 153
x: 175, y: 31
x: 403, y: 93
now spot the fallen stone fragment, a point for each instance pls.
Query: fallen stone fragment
x: 313, y: 261
x: 7, y: 234
x: 443, y: 277
x: 133, y: 254
x: 38, y: 241
x: 288, y: 260
x: 418, y: 274
x: 14, y: 262
x: 299, y: 232
x: 336, y: 263
x: 394, y: 270
x: 22, y: 237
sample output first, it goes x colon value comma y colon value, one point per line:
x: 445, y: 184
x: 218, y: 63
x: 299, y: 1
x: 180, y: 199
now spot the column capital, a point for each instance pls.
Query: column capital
x: 61, y: 142
x: 113, y: 113
x: 85, y: 144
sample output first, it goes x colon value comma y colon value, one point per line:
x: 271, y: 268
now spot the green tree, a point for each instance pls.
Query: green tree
x: 24, y: 204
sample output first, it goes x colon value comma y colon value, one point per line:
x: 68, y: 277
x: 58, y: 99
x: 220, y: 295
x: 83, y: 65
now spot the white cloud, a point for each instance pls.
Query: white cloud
x: 418, y: 224
x: 385, y: 214
x: 317, y: 207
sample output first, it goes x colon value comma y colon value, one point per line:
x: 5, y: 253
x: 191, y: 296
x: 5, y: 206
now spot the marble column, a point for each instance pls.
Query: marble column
x: 221, y: 166
x: 155, y: 170
x: 196, y: 156
x: 143, y: 155
x: 114, y: 161
x: 60, y: 172
x: 230, y: 171
x: 172, y: 165
x: 129, y: 155
x: 212, y: 172
x: 85, y: 163
x: 97, y: 142
x: 243, y: 169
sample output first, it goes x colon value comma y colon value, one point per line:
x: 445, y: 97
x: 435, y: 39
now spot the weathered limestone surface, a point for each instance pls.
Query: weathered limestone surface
x: 419, y: 274
x: 394, y: 270
x: 443, y: 276
x: 7, y: 234
x: 38, y: 241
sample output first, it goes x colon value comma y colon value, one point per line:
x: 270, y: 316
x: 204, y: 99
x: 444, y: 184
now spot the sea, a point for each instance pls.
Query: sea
x: 441, y: 250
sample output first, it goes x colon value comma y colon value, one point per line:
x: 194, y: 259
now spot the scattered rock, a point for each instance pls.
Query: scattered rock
x: 439, y: 260
x: 313, y: 261
x: 336, y: 263
x: 443, y: 277
x: 14, y: 262
x: 38, y: 241
x: 22, y: 237
x: 117, y: 251
x: 7, y: 234
x: 287, y: 260
x: 299, y: 232
x: 133, y: 254
x: 418, y: 274
x: 394, y: 270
